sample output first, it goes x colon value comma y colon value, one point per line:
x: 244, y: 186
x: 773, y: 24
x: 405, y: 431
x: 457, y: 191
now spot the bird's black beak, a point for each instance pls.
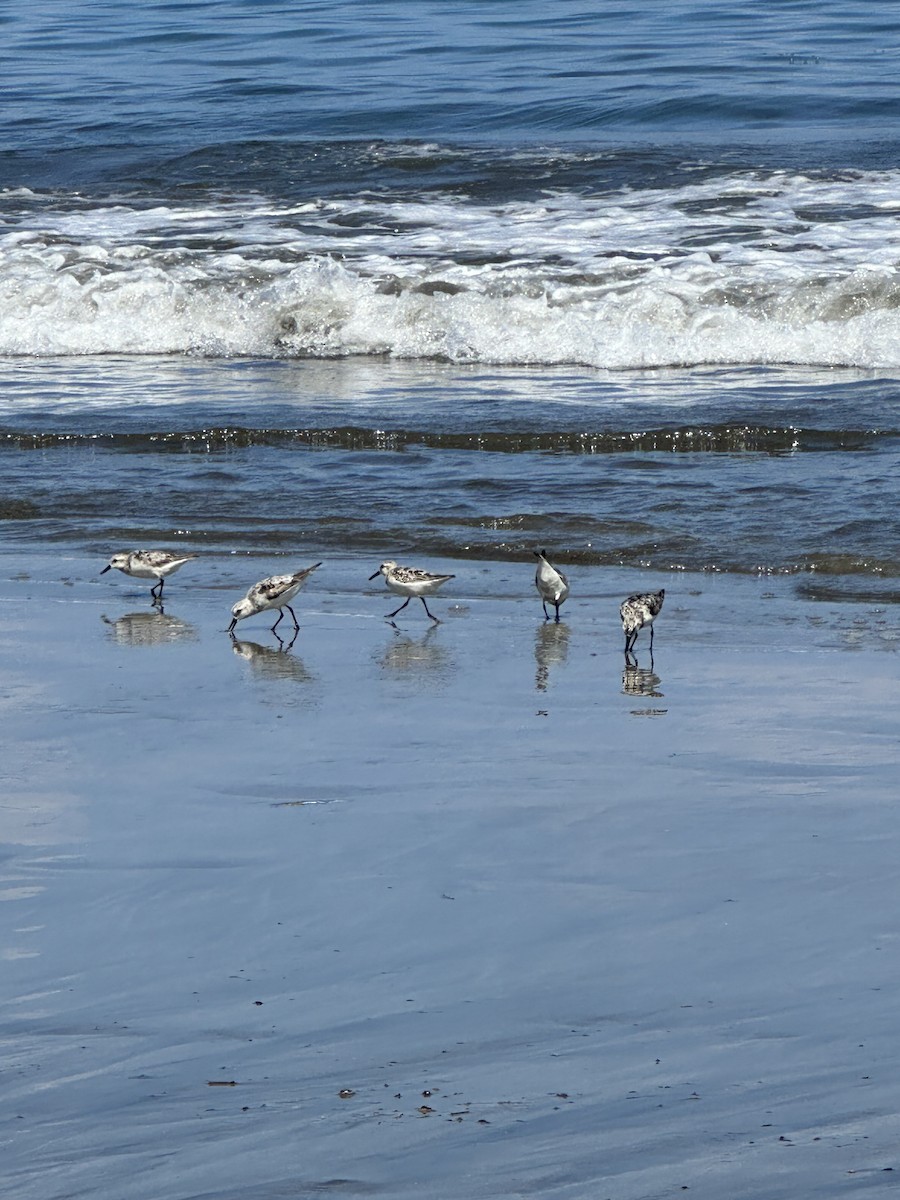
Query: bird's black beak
x: 108, y: 567
x: 230, y: 628
x: 375, y: 576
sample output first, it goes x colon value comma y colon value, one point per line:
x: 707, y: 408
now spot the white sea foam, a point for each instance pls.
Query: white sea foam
x: 747, y: 268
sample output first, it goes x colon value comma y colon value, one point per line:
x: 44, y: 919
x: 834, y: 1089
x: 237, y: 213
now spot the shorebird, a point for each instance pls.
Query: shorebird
x: 550, y: 583
x: 148, y: 564
x: 640, y: 610
x: 410, y: 582
x: 275, y: 592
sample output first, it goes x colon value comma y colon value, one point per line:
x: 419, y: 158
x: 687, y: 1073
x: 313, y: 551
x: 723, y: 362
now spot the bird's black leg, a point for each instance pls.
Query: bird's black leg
x: 546, y: 614
x: 431, y: 614
x: 294, y: 615
x: 157, y: 595
x: 401, y: 608
x: 280, y: 615
x: 651, y: 639
x: 557, y: 611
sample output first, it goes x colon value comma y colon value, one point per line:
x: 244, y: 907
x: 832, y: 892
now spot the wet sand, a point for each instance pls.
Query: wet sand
x: 455, y: 911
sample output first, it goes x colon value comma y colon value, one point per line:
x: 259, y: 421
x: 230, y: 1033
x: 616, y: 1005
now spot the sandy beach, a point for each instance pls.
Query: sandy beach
x: 472, y: 910
x: 456, y: 911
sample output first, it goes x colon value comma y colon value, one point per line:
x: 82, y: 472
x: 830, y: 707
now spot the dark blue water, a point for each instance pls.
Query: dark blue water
x: 174, y: 76
x: 461, y: 276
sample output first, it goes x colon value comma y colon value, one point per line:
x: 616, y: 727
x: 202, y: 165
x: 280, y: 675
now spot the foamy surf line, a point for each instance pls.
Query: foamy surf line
x: 746, y: 269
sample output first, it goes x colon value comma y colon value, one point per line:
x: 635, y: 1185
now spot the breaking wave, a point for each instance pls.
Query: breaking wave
x: 741, y: 269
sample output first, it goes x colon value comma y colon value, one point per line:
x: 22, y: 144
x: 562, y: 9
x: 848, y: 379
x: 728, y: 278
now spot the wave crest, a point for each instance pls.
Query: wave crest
x: 742, y: 270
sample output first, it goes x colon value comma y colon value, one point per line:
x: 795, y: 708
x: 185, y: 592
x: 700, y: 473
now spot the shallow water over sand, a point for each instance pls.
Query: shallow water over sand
x: 748, y: 471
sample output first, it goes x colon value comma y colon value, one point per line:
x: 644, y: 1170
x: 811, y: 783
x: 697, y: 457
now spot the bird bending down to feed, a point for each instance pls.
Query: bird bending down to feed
x: 275, y: 592
x: 550, y: 583
x: 148, y: 564
x: 640, y: 610
x: 410, y: 582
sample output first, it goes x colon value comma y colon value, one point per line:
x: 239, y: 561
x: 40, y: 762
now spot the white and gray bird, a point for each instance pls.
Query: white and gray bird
x: 410, y: 582
x: 637, y: 611
x: 276, y: 592
x: 551, y: 584
x: 148, y: 564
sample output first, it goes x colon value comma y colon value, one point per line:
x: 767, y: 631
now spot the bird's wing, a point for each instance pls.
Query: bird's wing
x: 302, y: 574
x: 273, y: 587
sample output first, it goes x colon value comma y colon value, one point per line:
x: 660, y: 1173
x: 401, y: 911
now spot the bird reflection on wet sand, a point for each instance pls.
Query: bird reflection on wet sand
x: 154, y: 628
x: 270, y: 662
x: 642, y: 681
x: 551, y: 649
x: 407, y: 655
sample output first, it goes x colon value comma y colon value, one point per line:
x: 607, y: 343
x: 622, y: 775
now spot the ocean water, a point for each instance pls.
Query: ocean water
x: 458, y: 279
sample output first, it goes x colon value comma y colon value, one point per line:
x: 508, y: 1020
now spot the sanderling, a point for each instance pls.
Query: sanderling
x: 148, y: 564
x: 550, y: 583
x: 409, y: 582
x: 275, y: 592
x: 640, y: 610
